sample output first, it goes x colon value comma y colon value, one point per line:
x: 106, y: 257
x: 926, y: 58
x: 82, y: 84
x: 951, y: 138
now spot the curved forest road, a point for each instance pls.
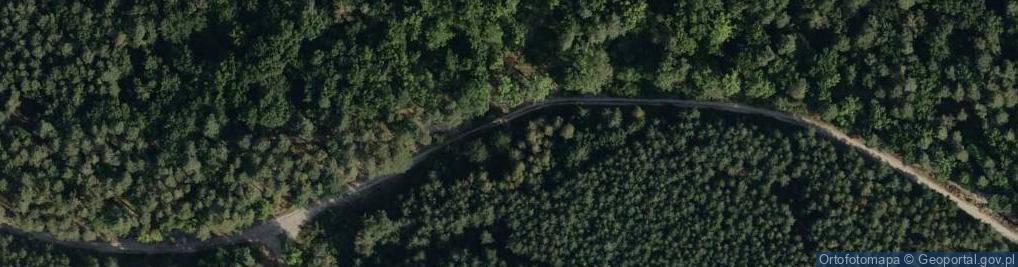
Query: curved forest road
x: 268, y: 232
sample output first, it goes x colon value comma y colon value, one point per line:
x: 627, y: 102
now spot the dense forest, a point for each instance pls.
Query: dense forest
x: 23, y: 252
x: 155, y: 119
x: 639, y: 187
x: 610, y: 186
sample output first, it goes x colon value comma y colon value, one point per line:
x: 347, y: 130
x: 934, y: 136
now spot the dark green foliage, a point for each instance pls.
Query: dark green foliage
x: 904, y: 74
x: 245, y: 256
x: 589, y: 73
x: 19, y: 251
x: 660, y: 187
x: 155, y: 119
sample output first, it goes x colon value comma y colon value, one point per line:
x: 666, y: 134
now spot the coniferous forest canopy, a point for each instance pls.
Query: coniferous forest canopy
x: 611, y: 186
x: 23, y: 252
x: 635, y: 187
x: 159, y: 119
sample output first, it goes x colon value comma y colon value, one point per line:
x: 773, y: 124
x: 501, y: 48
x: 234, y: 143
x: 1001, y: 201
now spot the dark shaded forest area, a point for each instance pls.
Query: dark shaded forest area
x: 23, y: 252
x: 158, y: 119
x: 611, y: 186
x: 635, y: 187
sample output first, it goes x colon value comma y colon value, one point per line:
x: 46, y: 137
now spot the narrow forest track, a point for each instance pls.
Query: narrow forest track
x: 269, y: 232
